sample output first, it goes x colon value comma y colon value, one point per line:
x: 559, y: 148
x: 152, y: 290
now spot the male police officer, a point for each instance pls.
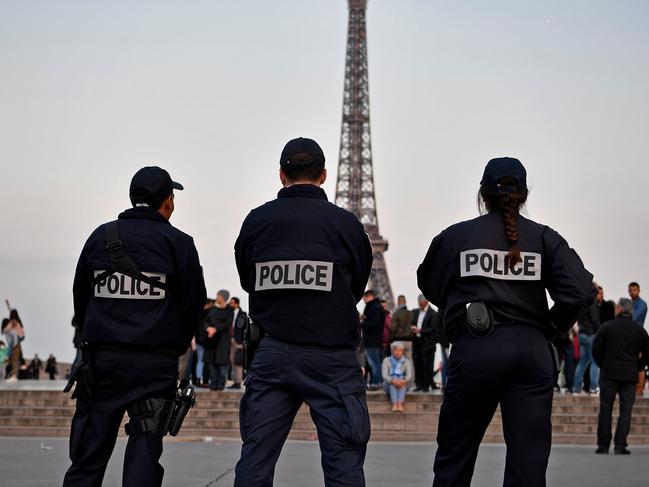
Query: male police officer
x: 305, y: 263
x: 138, y: 296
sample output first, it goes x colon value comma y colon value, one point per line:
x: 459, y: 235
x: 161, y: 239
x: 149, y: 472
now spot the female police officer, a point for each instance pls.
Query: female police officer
x: 490, y: 275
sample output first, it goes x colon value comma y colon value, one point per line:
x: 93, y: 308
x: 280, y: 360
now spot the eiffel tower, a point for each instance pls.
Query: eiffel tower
x: 355, y: 183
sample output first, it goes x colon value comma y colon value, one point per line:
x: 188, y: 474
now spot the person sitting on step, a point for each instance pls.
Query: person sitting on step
x: 397, y: 373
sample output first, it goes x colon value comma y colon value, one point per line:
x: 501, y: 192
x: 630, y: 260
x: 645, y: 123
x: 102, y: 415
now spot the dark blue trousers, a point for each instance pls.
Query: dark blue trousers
x: 121, y: 378
x: 282, y: 377
x: 512, y: 367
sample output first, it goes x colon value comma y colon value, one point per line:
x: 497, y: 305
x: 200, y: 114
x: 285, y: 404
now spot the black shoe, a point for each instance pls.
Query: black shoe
x: 417, y: 389
x: 424, y: 389
x: 602, y: 450
x: 622, y: 451
x: 236, y: 385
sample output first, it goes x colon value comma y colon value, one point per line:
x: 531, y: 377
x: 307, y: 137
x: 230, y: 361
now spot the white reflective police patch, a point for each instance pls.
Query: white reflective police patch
x: 491, y: 263
x: 294, y: 274
x: 120, y: 286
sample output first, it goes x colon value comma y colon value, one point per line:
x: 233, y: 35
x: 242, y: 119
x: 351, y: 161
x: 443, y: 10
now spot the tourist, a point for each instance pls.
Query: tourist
x: 239, y: 322
x: 4, y: 358
x: 401, y: 322
x: 639, y: 315
x: 37, y: 366
x: 373, y: 321
x: 14, y: 332
x: 423, y: 345
x: 200, y: 339
x: 51, y: 368
x: 639, y: 305
x: 620, y: 348
x: 387, y: 327
x: 606, y: 308
x: 588, y: 326
x: 396, y: 371
x: 217, y: 346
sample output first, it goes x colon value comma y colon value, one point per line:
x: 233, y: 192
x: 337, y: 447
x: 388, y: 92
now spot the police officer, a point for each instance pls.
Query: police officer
x: 305, y: 263
x: 490, y: 275
x: 138, y: 298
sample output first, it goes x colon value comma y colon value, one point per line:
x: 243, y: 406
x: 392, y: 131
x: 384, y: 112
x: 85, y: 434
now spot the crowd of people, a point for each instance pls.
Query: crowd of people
x: 580, y: 371
x: 13, y: 333
x: 215, y: 355
x: 13, y: 365
x: 397, y: 351
x: 399, y: 347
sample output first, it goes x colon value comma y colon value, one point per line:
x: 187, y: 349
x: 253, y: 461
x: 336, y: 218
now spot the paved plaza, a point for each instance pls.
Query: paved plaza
x: 34, y: 463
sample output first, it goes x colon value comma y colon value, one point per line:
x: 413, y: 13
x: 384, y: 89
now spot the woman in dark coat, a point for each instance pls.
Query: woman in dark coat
x: 217, y: 344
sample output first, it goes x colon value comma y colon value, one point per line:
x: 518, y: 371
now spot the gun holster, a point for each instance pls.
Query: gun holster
x: 251, y: 337
x: 160, y: 416
x: 185, y: 400
x: 82, y: 376
x: 479, y: 319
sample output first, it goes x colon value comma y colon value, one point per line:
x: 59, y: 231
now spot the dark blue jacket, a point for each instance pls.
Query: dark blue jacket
x: 119, y: 311
x: 465, y: 263
x: 314, y: 260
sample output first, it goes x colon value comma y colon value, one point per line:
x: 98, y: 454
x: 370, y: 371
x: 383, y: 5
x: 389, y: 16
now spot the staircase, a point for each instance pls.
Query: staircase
x: 47, y: 413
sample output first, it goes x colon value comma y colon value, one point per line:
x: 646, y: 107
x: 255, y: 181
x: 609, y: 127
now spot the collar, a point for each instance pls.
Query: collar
x: 143, y: 212
x: 303, y: 191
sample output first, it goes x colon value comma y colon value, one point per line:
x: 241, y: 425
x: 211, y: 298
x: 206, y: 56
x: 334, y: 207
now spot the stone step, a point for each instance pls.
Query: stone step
x: 378, y: 411
x: 48, y: 414
x: 641, y: 409
x: 202, y: 394
x: 403, y: 424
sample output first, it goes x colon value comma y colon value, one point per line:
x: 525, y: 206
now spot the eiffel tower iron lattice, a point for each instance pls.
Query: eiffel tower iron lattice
x: 355, y: 183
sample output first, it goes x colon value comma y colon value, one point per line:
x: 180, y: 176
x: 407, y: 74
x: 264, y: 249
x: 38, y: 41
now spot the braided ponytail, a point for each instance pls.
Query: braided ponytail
x: 509, y: 204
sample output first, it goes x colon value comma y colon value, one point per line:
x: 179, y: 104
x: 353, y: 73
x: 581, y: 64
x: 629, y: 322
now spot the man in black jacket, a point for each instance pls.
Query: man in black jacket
x: 239, y: 321
x: 305, y: 263
x: 372, y: 324
x: 621, y: 348
x: 217, y: 346
x: 423, y: 347
x: 606, y: 308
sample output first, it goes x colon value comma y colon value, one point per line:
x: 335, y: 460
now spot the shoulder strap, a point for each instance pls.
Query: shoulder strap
x: 121, y: 262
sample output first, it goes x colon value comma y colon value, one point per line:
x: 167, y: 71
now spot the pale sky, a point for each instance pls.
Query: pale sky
x: 211, y: 90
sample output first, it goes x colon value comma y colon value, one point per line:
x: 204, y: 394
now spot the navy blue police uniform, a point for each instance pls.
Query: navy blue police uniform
x: 305, y: 264
x: 513, y: 365
x: 133, y: 333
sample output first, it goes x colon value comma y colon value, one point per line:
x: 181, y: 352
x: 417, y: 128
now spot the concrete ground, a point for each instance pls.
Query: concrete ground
x: 29, y: 462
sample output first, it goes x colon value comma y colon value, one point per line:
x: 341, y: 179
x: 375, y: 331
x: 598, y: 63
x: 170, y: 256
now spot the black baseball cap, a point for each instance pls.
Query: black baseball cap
x: 503, y: 167
x: 151, y: 182
x: 302, y: 145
